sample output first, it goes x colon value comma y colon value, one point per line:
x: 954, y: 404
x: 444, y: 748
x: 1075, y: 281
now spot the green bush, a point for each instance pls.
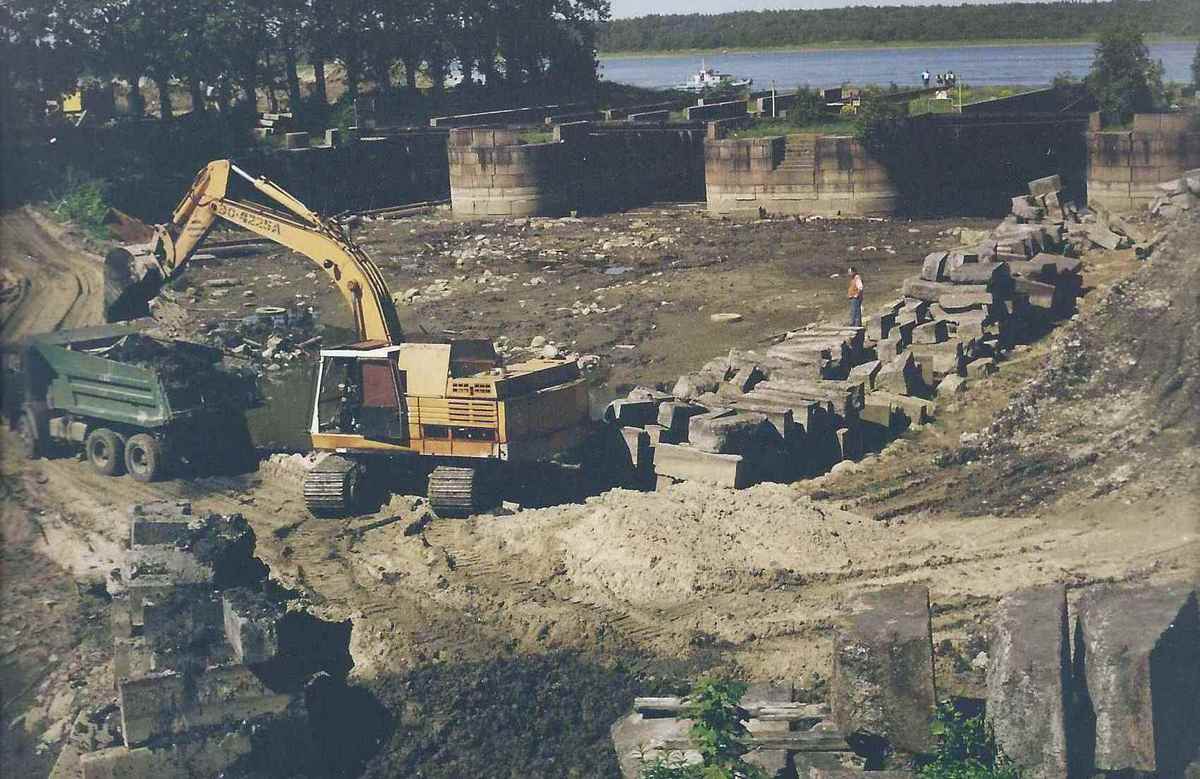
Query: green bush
x: 719, y: 732
x: 809, y: 107
x: 84, y: 201
x: 966, y: 749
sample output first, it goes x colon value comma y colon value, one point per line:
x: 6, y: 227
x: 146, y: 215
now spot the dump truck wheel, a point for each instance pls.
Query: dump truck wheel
x: 144, y: 457
x: 104, y: 451
x: 334, y: 487
x: 458, y: 492
x: 32, y: 445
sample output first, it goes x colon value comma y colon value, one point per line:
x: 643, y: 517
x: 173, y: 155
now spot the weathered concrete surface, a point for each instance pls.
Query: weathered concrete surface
x: 1138, y: 647
x: 1029, y: 680
x: 635, y: 736
x: 883, y: 669
x: 684, y: 462
x: 737, y: 433
x: 204, y: 757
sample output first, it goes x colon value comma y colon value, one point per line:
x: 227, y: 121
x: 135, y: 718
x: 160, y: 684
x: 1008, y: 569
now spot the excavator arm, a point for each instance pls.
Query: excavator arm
x: 131, y: 282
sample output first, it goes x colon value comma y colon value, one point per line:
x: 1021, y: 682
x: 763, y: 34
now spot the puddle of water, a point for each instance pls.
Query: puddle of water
x: 282, y: 421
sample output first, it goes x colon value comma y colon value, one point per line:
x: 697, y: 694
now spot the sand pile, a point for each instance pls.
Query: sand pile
x: 688, y: 541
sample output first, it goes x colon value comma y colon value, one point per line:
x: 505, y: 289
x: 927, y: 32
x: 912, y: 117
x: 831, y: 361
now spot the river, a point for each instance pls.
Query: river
x: 977, y: 65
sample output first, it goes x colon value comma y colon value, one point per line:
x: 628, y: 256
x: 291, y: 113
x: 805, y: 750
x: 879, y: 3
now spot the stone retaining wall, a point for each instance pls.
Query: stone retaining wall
x: 588, y: 169
x: 1125, y: 168
x: 795, y: 174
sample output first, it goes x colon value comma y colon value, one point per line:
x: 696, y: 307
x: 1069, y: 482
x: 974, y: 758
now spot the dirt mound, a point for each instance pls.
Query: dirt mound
x: 1119, y: 401
x: 667, y: 548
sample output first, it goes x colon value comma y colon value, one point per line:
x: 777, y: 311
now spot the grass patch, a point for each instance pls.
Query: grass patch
x: 536, y: 136
x: 766, y: 128
x: 83, y: 200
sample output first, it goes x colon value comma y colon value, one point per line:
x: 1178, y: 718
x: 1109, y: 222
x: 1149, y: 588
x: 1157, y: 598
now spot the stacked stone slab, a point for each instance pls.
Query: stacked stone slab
x: 193, y: 635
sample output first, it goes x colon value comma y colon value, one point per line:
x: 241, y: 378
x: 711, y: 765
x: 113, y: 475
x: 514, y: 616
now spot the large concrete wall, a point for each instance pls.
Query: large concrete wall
x: 795, y: 174
x: 590, y: 169
x: 1124, y: 168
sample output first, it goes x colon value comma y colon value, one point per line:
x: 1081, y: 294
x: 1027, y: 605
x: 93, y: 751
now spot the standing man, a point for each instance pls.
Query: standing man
x: 855, y: 294
x: 925, y: 78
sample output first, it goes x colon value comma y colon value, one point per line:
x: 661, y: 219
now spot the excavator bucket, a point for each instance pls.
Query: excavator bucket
x: 129, y: 286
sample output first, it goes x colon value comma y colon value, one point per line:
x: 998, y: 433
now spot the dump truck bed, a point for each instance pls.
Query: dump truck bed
x: 116, y: 373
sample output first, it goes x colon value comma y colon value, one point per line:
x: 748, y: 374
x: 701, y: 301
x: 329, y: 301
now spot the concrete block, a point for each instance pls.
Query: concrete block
x: 930, y: 333
x: 295, y: 140
x: 150, y: 705
x: 980, y: 368
x: 692, y: 385
x: 334, y: 137
x: 209, y: 756
x: 159, y: 522
x: 900, y: 376
x: 251, y: 625
x: 866, y: 373
x: 727, y: 433
x: 635, y: 737
x: 638, y: 444
x: 1138, y: 649
x: 689, y: 464
x: 673, y: 417
x: 918, y: 410
x: 1029, y: 680
x: 950, y: 386
x: 882, y: 684
x: 1046, y: 186
x: 934, y: 266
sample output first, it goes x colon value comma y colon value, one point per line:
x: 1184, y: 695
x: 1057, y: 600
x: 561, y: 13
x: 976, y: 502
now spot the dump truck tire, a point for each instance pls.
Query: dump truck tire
x: 32, y: 443
x: 144, y: 457
x: 104, y: 451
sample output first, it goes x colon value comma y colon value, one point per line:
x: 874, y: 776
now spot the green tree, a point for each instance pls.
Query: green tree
x: 1123, y: 78
x: 808, y: 108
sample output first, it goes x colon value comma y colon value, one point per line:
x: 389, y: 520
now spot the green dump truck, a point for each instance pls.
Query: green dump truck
x: 130, y: 402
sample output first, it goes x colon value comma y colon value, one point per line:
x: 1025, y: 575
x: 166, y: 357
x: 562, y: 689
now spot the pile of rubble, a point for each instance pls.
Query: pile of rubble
x: 1181, y: 194
x: 268, y: 339
x: 829, y: 393
x: 1057, y: 708
x: 203, y: 679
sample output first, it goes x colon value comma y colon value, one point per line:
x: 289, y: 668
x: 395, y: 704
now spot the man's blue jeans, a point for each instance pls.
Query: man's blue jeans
x: 856, y: 312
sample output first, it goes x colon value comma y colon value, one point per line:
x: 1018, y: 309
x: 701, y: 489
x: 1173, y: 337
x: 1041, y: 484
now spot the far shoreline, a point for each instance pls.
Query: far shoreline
x: 861, y: 45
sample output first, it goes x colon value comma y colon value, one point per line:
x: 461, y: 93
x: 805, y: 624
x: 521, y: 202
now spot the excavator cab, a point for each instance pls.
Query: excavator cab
x: 361, y: 392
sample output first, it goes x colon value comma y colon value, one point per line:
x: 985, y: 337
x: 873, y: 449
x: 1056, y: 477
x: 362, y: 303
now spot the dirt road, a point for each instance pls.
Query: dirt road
x: 60, y: 284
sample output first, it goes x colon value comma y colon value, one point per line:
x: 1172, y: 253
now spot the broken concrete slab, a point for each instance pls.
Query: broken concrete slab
x: 673, y: 416
x: 1138, y: 649
x: 950, y: 386
x: 1046, y: 185
x: 930, y: 333
x: 866, y: 373
x: 637, y: 442
x: 900, y: 376
x: 681, y: 461
x: 159, y: 522
x: 934, y: 266
x: 633, y: 413
x: 1029, y: 680
x: 692, y: 385
x: 150, y: 705
x: 882, y: 683
x: 918, y: 410
x: 980, y: 368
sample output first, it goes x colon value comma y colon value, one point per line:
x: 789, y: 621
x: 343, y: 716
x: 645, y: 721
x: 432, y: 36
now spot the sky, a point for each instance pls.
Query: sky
x: 626, y: 8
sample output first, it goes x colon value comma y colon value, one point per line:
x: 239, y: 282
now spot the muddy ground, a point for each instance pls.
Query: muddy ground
x: 463, y: 629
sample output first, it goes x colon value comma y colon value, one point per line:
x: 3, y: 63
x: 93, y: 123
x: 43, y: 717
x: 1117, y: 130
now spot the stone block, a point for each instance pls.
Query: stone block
x: 334, y: 137
x: 1138, y: 649
x: 690, y: 464
x: 1029, y: 680
x: 980, y: 368
x: 295, y: 140
x: 930, y: 333
x: 233, y: 693
x: 633, y: 413
x: 635, y: 737
x: 918, y: 410
x: 725, y: 433
x: 866, y: 373
x: 746, y: 377
x: 673, y: 416
x: 950, y: 386
x: 901, y: 375
x: 209, y: 756
x: 638, y: 443
x: 882, y: 684
x: 934, y: 266
x: 159, y: 522
x: 150, y: 706
x: 251, y: 625
x: 692, y: 385
x: 1046, y: 186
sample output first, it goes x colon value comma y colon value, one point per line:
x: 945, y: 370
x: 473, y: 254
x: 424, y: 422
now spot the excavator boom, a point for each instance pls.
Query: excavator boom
x: 131, y: 282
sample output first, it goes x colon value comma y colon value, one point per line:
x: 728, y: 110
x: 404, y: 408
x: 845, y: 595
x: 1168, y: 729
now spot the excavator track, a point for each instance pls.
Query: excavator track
x: 457, y: 491
x: 333, y: 487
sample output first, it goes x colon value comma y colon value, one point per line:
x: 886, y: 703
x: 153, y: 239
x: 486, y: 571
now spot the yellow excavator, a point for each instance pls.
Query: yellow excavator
x: 450, y: 406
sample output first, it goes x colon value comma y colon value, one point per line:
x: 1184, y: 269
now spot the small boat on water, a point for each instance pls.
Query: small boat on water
x: 711, y: 78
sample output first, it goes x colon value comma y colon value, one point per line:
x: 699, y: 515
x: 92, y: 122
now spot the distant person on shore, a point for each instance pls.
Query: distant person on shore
x: 925, y: 78
x: 950, y: 78
x: 855, y: 293
x: 941, y: 79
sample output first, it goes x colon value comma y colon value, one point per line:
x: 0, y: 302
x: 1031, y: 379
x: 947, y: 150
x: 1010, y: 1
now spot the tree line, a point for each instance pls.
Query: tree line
x: 223, y: 51
x: 765, y: 29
